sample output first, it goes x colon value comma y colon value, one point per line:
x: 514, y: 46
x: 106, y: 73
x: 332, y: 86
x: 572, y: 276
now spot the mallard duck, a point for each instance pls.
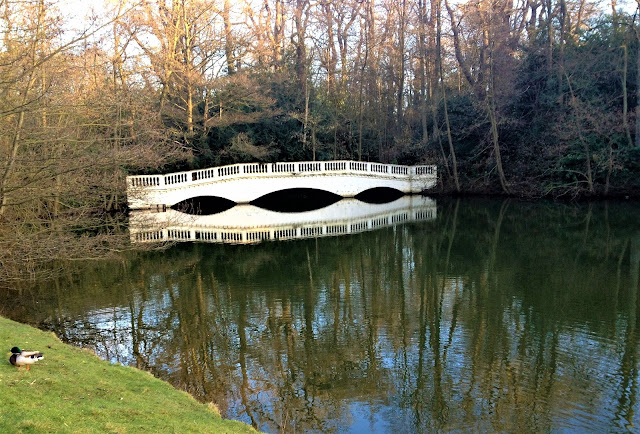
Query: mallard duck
x: 19, y: 358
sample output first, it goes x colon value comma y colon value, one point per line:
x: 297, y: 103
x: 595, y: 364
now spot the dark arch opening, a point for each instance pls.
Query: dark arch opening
x: 204, y: 205
x: 296, y: 200
x: 379, y: 195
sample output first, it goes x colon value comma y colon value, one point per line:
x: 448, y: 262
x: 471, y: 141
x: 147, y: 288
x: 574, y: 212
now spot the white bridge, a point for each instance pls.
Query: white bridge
x: 244, y: 183
x: 248, y: 224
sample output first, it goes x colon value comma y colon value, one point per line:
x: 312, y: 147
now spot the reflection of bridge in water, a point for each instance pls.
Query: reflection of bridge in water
x: 246, y: 224
x: 244, y: 183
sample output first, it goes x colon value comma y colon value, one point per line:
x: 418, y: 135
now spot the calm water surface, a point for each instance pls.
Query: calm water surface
x: 491, y: 316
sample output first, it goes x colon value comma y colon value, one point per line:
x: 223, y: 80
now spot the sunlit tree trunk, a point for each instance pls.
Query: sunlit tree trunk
x: 401, y: 64
x: 228, y: 38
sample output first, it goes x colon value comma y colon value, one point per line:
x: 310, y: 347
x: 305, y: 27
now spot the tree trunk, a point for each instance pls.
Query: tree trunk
x: 422, y: 70
x: 228, y: 39
x: 452, y: 151
x: 401, y: 54
x: 637, y: 110
x: 625, y: 102
x: 305, y: 125
x: 550, y: 36
x: 609, y: 168
x: 15, y: 145
x: 301, y: 49
x: 496, y: 144
x: 440, y: 75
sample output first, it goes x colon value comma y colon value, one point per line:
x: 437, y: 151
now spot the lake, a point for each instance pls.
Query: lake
x: 456, y: 314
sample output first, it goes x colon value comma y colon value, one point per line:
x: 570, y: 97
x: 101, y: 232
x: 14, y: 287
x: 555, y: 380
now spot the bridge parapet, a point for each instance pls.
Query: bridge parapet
x: 139, y: 186
x: 253, y: 169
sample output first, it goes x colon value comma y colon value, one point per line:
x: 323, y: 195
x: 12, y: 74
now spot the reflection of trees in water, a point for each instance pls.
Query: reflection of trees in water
x: 501, y: 316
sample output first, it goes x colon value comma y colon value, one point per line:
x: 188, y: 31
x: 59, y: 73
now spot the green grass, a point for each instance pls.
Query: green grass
x: 73, y: 391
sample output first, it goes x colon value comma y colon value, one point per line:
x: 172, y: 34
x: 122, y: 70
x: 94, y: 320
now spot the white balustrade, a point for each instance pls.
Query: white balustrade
x: 240, y: 170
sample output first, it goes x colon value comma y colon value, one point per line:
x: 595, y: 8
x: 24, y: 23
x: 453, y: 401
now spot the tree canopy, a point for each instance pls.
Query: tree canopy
x: 530, y: 98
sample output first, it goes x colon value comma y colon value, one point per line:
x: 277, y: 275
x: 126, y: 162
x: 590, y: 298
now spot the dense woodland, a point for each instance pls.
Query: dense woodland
x: 527, y: 98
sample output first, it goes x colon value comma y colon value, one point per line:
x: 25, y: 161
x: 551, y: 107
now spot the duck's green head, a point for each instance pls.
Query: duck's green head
x: 15, y: 350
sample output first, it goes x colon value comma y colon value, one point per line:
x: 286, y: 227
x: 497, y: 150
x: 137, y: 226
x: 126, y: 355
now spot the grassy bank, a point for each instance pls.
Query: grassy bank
x: 72, y: 390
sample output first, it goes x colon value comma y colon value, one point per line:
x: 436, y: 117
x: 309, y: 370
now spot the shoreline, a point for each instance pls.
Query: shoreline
x: 73, y: 390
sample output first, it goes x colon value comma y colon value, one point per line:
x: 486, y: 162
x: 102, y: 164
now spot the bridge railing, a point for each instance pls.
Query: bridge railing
x: 201, y: 176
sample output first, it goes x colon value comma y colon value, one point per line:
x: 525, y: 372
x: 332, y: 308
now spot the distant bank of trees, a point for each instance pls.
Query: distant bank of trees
x: 531, y: 97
